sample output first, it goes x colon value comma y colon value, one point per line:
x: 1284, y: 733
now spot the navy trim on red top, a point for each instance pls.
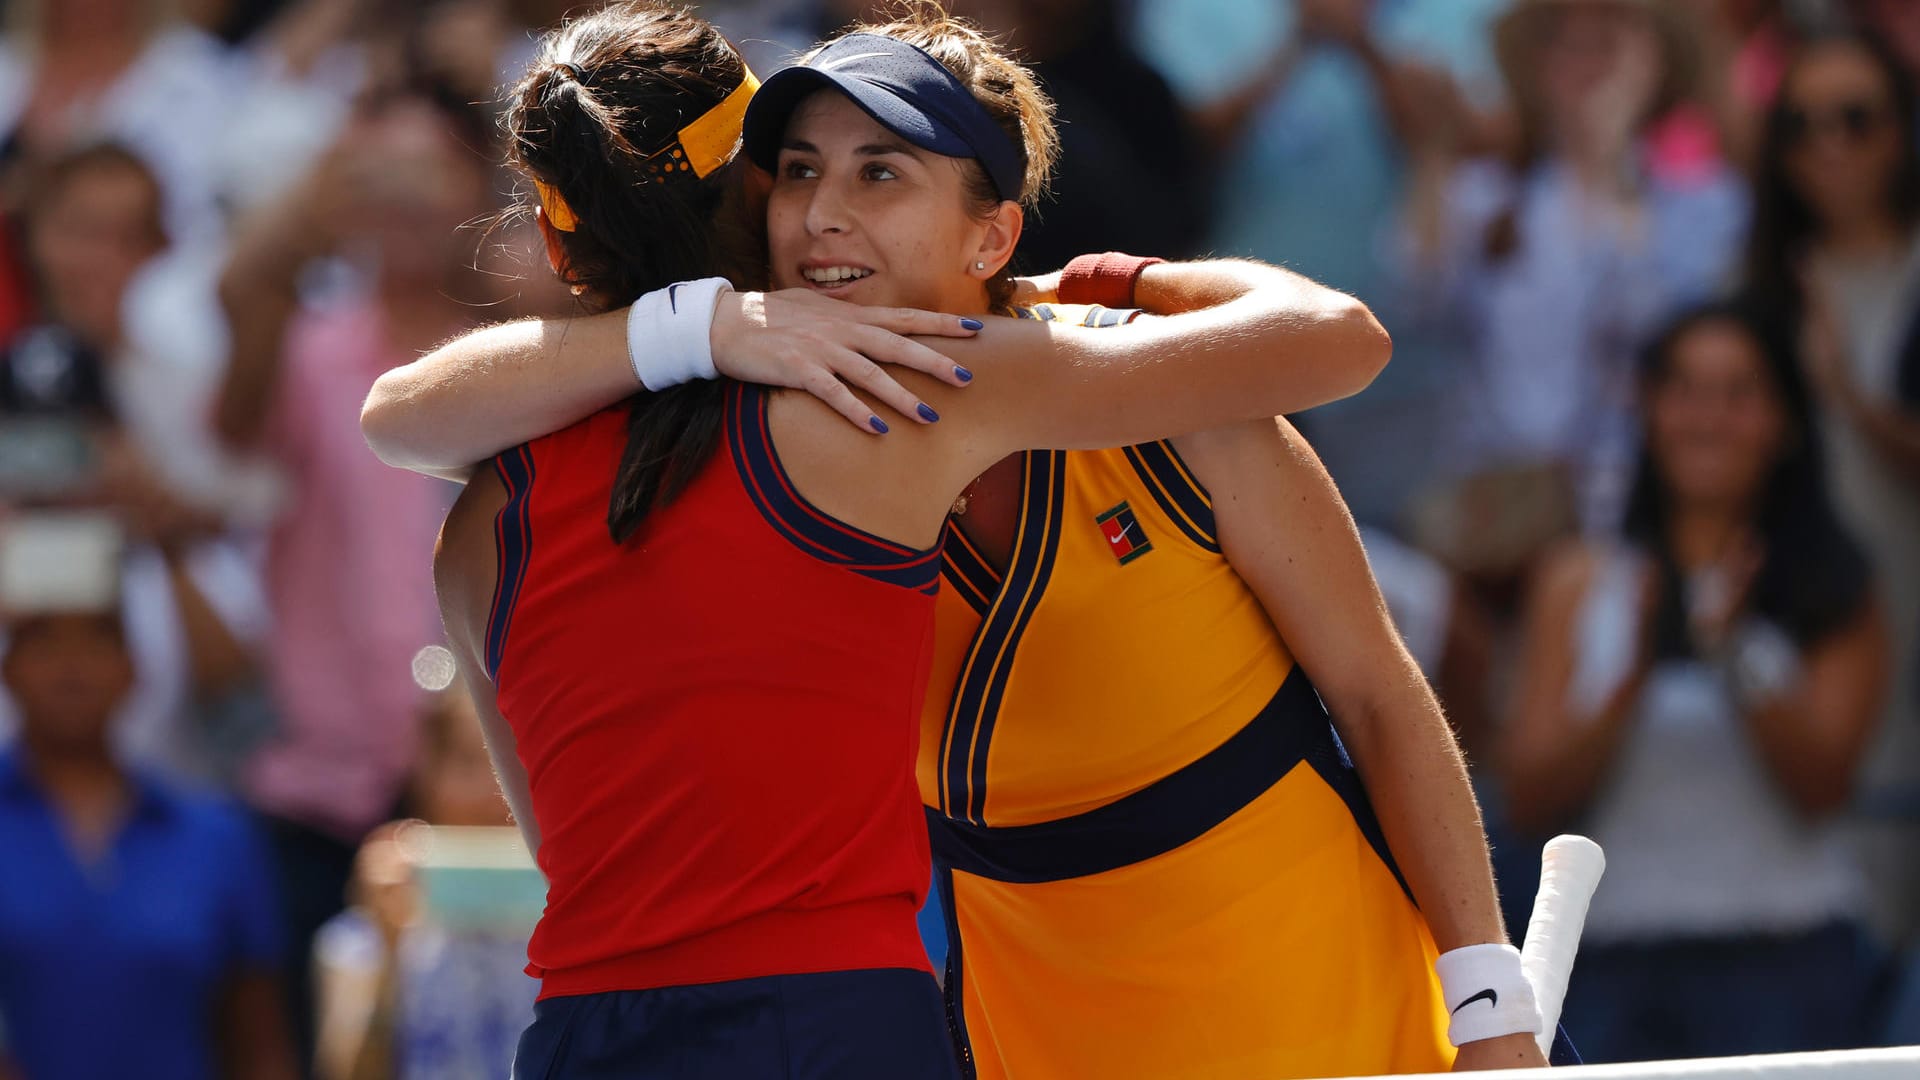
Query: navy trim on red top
x: 805, y: 526
x: 513, y: 543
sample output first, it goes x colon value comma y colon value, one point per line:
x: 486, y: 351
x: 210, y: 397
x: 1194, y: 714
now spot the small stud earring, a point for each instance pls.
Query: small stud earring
x: 979, y: 266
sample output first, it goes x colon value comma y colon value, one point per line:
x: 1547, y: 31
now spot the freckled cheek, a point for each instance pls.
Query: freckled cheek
x: 927, y: 238
x: 785, y: 227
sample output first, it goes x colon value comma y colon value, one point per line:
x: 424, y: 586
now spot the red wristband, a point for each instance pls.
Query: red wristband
x: 1106, y: 280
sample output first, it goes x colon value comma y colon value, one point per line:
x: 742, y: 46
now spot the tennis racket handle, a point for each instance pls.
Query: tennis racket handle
x: 1570, y: 870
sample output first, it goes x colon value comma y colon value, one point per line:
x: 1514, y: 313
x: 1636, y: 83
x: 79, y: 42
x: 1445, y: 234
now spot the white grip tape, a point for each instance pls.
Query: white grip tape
x: 669, y: 333
x: 1486, y: 992
x: 1570, y: 870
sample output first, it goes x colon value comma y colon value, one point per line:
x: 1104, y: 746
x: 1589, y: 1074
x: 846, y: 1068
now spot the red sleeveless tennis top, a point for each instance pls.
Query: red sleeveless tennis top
x: 719, y: 718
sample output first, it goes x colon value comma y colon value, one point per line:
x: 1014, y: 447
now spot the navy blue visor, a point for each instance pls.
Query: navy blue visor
x: 903, y: 88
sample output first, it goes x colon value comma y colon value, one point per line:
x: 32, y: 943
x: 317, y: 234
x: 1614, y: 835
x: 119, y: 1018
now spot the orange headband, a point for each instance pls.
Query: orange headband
x: 700, y: 148
x: 709, y: 142
x: 557, y: 210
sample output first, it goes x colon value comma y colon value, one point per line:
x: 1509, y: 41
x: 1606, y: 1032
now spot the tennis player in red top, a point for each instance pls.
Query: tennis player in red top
x: 698, y: 625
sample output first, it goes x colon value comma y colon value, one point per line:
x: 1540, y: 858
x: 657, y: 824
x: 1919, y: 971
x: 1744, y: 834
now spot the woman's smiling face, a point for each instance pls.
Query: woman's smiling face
x: 858, y: 213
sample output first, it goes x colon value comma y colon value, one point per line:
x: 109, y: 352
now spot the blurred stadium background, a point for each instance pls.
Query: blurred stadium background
x: 220, y: 220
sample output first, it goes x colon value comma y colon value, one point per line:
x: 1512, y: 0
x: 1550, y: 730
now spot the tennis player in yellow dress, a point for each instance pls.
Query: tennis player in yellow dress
x: 1156, y: 856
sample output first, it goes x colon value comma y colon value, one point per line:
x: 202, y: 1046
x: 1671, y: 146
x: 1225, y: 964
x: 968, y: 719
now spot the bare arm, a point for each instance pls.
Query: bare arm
x: 463, y: 578
x: 503, y: 385
x: 260, y: 295
x: 1287, y: 532
x: 1416, y: 101
x: 1893, y: 434
x: 1342, y: 23
x: 1554, y: 755
x: 355, y: 1028
x: 1282, y: 344
x: 495, y: 388
x: 501, y: 748
x: 357, y: 1002
x: 1222, y: 123
x: 1812, y: 736
x: 217, y: 659
x: 253, y: 1029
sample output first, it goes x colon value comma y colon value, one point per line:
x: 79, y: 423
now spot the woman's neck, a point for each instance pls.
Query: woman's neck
x: 1601, y: 158
x: 80, y: 776
x: 89, y: 793
x: 1703, y: 534
x: 967, y: 297
x: 1868, y: 234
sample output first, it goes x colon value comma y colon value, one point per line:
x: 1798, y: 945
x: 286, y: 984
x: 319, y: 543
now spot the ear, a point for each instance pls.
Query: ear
x: 556, y: 251
x: 756, y: 190
x: 758, y: 185
x: 998, y: 240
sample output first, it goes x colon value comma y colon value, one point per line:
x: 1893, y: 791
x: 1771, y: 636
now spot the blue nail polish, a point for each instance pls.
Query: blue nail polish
x: 962, y: 373
x: 973, y: 324
x: 877, y: 424
x: 928, y: 414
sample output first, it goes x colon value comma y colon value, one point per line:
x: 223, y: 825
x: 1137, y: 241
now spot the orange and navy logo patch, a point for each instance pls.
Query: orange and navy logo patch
x: 1124, y: 536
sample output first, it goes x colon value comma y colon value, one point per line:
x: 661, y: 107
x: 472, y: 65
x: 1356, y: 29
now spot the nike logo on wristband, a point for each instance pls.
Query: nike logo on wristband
x: 673, y: 303
x: 1490, y: 996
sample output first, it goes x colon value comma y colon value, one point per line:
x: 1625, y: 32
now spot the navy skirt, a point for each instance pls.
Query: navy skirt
x: 883, y: 1024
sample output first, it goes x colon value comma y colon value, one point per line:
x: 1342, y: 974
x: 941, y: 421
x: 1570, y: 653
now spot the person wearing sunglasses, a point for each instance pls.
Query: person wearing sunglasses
x: 1835, y: 254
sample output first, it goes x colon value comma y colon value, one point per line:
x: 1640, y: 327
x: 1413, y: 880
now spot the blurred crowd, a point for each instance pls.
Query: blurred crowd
x: 1642, y: 483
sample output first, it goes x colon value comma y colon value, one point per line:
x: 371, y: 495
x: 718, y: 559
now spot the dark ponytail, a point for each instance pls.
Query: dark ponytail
x: 608, y: 91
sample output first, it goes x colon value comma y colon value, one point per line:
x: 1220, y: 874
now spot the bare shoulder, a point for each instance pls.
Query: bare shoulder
x: 897, y: 486
x: 464, y: 557
x: 1269, y: 449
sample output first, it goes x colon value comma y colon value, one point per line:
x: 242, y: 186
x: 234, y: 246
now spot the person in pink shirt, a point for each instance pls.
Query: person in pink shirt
x: 356, y: 270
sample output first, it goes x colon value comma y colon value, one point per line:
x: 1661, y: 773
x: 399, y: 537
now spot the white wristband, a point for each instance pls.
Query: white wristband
x: 1487, y: 994
x: 669, y: 333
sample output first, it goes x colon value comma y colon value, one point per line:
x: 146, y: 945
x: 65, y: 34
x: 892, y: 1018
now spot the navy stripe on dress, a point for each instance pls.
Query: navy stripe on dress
x: 983, y: 677
x: 1329, y: 758
x: 513, y: 547
x: 1103, y: 317
x: 1054, y: 492
x: 972, y: 578
x: 1172, y: 485
x: 953, y: 987
x: 805, y: 526
x: 1291, y: 730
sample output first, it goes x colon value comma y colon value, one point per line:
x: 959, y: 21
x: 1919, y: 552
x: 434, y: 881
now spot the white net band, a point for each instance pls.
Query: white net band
x: 1897, y: 1064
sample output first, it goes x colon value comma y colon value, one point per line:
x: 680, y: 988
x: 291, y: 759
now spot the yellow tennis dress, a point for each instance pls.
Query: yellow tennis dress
x: 1155, y: 858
